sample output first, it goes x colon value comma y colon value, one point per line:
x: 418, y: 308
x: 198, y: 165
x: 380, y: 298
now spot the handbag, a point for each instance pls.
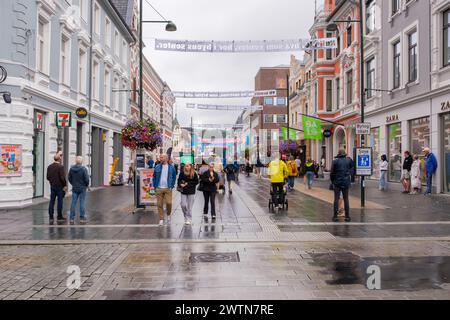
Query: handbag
x: 200, y: 186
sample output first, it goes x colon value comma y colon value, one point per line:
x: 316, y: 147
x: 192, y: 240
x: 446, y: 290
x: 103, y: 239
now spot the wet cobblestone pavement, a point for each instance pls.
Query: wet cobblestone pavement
x: 248, y: 253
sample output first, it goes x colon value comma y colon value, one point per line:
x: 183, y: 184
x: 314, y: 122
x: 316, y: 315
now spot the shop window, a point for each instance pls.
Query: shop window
x: 375, y: 144
x: 395, y: 151
x: 420, y: 138
x: 446, y: 151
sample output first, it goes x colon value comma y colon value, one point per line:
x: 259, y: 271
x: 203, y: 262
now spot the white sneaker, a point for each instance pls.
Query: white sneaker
x: 161, y: 223
x: 188, y: 222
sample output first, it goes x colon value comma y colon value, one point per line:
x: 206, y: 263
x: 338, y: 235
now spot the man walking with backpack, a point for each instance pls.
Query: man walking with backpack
x: 341, y: 172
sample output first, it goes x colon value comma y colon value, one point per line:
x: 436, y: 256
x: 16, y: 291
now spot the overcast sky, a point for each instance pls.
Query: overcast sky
x: 222, y: 20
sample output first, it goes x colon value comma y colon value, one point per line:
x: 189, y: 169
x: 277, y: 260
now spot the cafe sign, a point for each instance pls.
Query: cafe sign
x: 81, y: 112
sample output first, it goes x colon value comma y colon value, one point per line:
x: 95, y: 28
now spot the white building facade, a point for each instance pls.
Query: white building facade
x: 55, y: 65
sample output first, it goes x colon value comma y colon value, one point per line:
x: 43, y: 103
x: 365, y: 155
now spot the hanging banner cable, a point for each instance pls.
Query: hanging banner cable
x: 224, y: 94
x: 245, y: 46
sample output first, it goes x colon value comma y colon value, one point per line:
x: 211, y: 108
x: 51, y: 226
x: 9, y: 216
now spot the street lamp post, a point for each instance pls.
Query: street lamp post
x: 170, y: 26
x: 333, y: 27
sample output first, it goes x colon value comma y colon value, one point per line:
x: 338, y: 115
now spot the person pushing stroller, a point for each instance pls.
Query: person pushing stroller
x: 278, y: 174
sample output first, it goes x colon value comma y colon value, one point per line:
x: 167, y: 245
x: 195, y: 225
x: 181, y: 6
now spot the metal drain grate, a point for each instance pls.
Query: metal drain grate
x: 214, y: 257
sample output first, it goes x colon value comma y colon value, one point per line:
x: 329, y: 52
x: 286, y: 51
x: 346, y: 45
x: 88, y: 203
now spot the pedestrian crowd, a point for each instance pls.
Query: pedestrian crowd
x: 216, y: 176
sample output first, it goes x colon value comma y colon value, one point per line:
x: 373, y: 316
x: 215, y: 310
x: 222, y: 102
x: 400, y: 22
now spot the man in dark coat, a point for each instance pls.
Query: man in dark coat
x: 58, y: 187
x: 341, y: 172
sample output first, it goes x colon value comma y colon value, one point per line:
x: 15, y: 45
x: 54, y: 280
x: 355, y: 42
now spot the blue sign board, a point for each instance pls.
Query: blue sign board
x: 363, y: 161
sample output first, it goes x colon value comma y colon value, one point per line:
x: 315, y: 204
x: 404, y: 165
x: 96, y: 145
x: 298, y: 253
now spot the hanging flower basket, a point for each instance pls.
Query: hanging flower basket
x: 141, y: 134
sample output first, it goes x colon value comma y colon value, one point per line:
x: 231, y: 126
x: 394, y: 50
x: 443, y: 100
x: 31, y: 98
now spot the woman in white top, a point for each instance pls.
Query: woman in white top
x: 416, y: 183
x: 383, y: 171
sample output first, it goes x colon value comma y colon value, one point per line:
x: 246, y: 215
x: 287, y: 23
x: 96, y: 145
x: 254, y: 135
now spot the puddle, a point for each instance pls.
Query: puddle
x: 397, y: 273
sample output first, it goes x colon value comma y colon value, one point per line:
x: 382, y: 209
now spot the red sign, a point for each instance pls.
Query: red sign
x: 39, y: 121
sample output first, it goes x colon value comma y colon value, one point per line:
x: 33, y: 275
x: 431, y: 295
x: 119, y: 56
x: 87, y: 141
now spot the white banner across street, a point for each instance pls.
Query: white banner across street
x: 222, y: 107
x: 225, y: 94
x: 245, y: 46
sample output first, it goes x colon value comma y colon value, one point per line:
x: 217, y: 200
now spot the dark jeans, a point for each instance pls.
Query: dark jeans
x: 429, y: 183
x: 56, y: 192
x: 210, y: 197
x: 337, y: 194
x: 277, y: 193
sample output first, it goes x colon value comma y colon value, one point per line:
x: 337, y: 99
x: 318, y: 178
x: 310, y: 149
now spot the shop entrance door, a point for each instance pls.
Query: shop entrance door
x: 446, y: 151
x: 38, y: 163
x: 98, y: 157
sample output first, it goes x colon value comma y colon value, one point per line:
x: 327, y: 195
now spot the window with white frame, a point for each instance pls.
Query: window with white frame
x: 281, y: 101
x: 349, y: 33
x: 269, y: 118
x: 412, y: 56
x: 125, y: 95
x: 370, y: 16
x: 108, y: 34
x: 124, y: 52
x: 446, y: 38
x: 117, y: 95
x: 107, y: 88
x: 281, y: 118
x: 82, y: 71
x: 329, y: 95
x: 349, y: 85
x: 83, y: 9
x: 395, y: 6
x: 396, y: 64
x: 329, y: 52
x: 338, y: 92
x: 64, y: 61
x: 43, y: 45
x: 97, y: 19
x: 370, y: 76
x: 116, y: 43
x: 95, y: 80
x: 268, y: 101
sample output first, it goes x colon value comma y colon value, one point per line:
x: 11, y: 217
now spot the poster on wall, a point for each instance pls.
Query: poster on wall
x: 147, y: 191
x: 11, y: 160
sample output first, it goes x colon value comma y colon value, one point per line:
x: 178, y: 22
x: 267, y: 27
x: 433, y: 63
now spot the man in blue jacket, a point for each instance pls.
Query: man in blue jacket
x: 79, y: 179
x: 430, y: 168
x: 164, y: 178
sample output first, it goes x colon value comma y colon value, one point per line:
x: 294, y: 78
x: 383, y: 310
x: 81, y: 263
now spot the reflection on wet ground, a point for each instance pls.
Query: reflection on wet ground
x: 397, y: 273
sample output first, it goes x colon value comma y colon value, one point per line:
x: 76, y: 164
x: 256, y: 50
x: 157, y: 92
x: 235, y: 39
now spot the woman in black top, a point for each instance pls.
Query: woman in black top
x: 187, y: 181
x: 208, y: 185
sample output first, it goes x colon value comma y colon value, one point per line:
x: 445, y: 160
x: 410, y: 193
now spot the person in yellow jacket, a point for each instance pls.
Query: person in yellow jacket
x: 292, y: 172
x: 278, y: 174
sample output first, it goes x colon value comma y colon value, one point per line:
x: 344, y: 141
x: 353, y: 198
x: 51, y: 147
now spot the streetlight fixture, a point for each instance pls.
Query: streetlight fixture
x: 332, y: 27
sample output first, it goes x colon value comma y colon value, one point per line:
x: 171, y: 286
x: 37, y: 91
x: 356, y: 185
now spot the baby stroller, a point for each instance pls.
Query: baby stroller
x: 279, y: 201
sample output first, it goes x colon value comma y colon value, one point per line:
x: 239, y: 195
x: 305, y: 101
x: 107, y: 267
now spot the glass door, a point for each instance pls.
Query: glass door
x: 446, y: 151
x: 38, y: 164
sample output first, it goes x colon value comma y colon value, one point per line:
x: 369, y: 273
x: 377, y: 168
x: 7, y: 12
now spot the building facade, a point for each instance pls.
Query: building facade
x: 265, y: 125
x: 54, y: 65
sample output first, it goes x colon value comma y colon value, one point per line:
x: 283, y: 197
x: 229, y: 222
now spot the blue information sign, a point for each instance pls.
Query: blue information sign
x: 363, y: 161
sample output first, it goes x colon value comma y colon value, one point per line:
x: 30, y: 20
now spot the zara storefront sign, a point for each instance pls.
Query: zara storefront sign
x: 392, y: 118
x: 445, y: 106
x: 363, y: 161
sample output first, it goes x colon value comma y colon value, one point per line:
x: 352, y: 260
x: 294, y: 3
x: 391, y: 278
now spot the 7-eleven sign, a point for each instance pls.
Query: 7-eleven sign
x: 63, y: 119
